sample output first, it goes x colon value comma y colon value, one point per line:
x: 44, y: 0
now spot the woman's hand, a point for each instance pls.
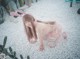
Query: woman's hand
x: 41, y: 48
x: 33, y: 40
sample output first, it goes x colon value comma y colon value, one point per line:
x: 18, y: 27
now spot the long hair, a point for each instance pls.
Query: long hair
x: 29, y: 18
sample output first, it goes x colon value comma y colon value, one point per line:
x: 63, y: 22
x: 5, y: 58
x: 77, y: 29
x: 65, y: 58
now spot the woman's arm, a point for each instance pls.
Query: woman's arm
x: 40, y: 37
x: 47, y: 22
x: 40, y: 33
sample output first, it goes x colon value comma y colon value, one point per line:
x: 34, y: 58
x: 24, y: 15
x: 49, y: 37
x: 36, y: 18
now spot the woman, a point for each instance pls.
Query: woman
x: 50, y: 31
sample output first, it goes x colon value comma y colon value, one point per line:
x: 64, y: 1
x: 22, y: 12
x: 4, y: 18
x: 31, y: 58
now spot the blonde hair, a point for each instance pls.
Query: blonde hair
x: 29, y: 18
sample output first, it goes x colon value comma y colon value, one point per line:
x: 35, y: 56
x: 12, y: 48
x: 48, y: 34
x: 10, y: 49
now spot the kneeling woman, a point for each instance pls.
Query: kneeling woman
x: 35, y: 29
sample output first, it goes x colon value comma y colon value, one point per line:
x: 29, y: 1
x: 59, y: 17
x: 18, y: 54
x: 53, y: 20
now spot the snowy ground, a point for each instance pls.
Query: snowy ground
x: 55, y: 10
